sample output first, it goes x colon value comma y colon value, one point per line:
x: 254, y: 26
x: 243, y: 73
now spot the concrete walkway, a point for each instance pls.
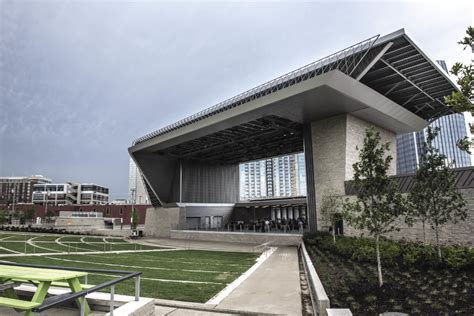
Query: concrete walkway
x: 273, y: 288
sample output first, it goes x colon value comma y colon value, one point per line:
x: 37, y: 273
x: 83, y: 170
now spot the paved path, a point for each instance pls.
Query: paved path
x: 273, y: 288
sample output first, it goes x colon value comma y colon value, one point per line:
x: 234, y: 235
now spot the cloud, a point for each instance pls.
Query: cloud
x: 80, y: 80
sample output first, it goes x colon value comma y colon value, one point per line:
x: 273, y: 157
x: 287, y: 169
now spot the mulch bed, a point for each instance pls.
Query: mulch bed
x: 354, y: 285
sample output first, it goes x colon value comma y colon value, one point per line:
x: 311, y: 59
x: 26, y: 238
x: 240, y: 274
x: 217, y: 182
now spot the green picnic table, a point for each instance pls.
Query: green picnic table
x: 43, y: 279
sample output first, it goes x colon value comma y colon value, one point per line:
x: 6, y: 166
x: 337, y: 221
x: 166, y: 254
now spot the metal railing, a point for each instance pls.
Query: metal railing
x: 346, y: 60
x: 54, y: 301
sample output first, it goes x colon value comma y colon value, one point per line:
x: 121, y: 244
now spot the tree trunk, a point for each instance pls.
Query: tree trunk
x: 334, y: 233
x: 379, y: 264
x: 424, y: 233
x: 437, y: 243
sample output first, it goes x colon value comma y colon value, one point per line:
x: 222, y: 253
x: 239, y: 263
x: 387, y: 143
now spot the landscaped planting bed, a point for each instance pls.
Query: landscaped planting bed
x: 415, y: 288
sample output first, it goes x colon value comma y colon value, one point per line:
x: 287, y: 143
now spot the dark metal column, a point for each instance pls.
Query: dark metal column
x: 310, y: 189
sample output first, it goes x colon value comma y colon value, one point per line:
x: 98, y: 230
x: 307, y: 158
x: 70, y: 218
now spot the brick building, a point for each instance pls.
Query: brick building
x: 19, y: 189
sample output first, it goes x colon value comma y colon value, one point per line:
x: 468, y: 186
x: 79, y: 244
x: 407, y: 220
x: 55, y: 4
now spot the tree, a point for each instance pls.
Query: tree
x: 434, y: 193
x: 3, y: 216
x: 29, y: 214
x: 331, y: 210
x: 378, y: 204
x: 134, y: 218
x: 461, y: 101
x: 49, y: 215
x: 17, y: 214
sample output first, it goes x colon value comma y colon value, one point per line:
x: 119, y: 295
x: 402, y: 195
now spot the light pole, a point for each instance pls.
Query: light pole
x: 46, y: 205
x: 131, y: 215
x: 14, y: 197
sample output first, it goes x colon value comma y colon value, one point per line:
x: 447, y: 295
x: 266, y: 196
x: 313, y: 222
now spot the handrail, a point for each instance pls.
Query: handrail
x: 63, y: 298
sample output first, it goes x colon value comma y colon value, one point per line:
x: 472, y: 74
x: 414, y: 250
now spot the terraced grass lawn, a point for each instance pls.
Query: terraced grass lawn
x: 46, y: 238
x: 70, y: 239
x: 188, y: 275
x: 14, y: 243
x: 115, y: 239
x: 17, y: 246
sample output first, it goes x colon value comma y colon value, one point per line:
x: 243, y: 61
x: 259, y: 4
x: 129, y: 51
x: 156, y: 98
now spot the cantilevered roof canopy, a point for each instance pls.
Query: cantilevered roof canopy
x: 391, y: 65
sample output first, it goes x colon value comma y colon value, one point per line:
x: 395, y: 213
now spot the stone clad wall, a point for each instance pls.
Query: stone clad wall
x: 461, y: 233
x: 160, y: 221
x: 335, y: 142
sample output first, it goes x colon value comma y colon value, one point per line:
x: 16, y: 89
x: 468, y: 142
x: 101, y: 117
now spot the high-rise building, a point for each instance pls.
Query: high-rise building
x: 273, y: 177
x: 19, y: 189
x: 452, y: 128
x: 301, y: 174
x: 269, y: 177
x: 137, y: 193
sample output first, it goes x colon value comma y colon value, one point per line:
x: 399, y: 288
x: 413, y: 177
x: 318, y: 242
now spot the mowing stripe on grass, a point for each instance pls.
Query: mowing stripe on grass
x: 9, y: 250
x: 30, y: 242
x: 134, y: 267
x: 164, y: 280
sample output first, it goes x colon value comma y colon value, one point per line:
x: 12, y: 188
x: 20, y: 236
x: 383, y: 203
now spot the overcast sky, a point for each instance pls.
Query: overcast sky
x: 80, y: 80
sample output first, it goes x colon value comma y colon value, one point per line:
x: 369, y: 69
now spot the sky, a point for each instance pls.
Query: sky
x: 80, y: 80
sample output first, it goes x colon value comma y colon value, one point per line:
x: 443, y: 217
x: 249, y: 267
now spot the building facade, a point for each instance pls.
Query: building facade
x: 452, y: 128
x: 55, y: 194
x: 19, y: 189
x: 70, y: 193
x: 321, y: 109
x: 91, y: 193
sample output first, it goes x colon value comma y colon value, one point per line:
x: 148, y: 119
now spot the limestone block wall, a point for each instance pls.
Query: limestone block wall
x: 355, y: 133
x: 335, y: 141
x: 160, y: 221
x: 461, y: 233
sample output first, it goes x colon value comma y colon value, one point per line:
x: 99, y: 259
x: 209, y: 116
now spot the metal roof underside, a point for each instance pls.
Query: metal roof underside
x: 265, y: 137
x: 391, y: 65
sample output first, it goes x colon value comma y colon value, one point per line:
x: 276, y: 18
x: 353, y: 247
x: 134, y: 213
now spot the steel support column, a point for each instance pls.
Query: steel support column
x: 310, y: 188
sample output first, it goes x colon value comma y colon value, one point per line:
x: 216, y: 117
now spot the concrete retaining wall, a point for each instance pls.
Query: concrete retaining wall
x: 236, y: 237
x: 319, y: 297
x: 160, y: 221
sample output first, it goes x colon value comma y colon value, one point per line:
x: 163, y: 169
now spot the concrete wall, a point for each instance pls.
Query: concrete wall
x: 204, y: 210
x: 461, y: 233
x: 160, y: 221
x: 94, y: 222
x: 236, y: 237
x: 335, y: 142
x: 108, y: 210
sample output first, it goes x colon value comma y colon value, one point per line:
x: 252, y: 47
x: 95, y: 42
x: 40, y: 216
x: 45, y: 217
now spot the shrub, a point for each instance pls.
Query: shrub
x: 457, y: 257
x: 393, y: 252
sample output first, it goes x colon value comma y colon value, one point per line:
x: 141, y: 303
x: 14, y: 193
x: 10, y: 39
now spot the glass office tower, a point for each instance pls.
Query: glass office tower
x: 452, y: 128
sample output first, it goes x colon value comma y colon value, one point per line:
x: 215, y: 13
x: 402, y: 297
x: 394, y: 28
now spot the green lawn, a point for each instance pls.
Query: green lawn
x: 46, y: 238
x: 16, y: 243
x: 17, y: 246
x: 165, y: 273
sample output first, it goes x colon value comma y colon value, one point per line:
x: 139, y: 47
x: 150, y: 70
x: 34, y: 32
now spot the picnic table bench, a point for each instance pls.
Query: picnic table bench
x: 43, y: 279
